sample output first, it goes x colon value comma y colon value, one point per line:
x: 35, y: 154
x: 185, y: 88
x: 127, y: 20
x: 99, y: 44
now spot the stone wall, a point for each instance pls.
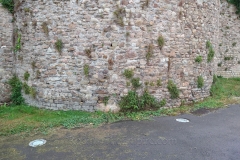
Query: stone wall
x: 229, y: 45
x: 6, y: 55
x: 116, y: 44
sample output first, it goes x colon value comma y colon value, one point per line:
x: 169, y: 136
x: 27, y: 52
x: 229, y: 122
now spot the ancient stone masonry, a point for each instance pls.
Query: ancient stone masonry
x: 6, y: 57
x: 228, y: 59
x: 99, y: 39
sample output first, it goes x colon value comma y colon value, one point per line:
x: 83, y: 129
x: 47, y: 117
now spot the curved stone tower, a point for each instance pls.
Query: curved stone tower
x: 105, y: 37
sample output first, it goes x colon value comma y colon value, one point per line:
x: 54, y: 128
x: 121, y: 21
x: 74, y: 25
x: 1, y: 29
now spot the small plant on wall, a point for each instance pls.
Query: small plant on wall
x: 236, y: 3
x: 119, y: 14
x: 128, y: 73
x: 200, y: 82
x: 135, y: 83
x: 86, y: 70
x: 173, y: 90
x: 45, y: 28
x: 8, y: 4
x: 59, y: 46
x: 149, y: 53
x: 160, y: 41
x: 198, y: 59
x: 26, y: 76
x: 211, y: 52
x: 18, y: 47
x: 16, y: 87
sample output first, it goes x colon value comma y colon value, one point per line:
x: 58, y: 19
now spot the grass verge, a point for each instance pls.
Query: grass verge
x: 26, y: 119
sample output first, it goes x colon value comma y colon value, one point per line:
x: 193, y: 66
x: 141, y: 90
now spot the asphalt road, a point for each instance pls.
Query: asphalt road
x: 210, y: 136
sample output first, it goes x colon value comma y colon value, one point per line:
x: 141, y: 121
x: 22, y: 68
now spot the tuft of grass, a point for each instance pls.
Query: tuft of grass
x: 26, y: 76
x: 173, y: 90
x: 86, y: 70
x: 160, y: 41
x: 33, y: 64
x: 119, y: 14
x: 105, y: 100
x: 18, y: 45
x: 198, y: 59
x: 136, y: 82
x: 149, y: 53
x: 200, y: 82
x: 159, y: 82
x: 59, y: 46
x: 236, y: 3
x: 234, y: 44
x: 45, y: 28
x: 210, y: 54
x: 208, y: 44
x: 26, y: 88
x: 228, y: 58
x: 128, y: 73
x: 16, y: 87
x: 133, y: 102
x: 8, y: 4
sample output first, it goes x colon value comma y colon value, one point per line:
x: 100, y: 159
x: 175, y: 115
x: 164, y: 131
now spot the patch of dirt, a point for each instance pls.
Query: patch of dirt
x: 202, y: 111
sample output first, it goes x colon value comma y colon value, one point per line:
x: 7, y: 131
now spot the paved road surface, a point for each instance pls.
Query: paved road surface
x: 211, y: 136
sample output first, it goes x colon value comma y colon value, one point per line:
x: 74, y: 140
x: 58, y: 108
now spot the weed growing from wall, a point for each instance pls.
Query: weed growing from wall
x: 26, y: 88
x: 26, y: 76
x: 133, y: 102
x: 119, y: 14
x: 135, y: 83
x: 198, y: 59
x: 86, y: 70
x: 33, y: 64
x: 163, y: 103
x: 173, y: 90
x: 234, y: 44
x: 159, y: 82
x: 45, y: 28
x: 33, y: 92
x: 210, y: 51
x: 236, y: 3
x: 59, y: 46
x: 149, y: 53
x: 38, y: 74
x: 208, y: 44
x: 17, y: 47
x: 8, y: 4
x: 105, y: 100
x: 16, y: 87
x: 228, y: 58
x: 29, y: 90
x: 128, y: 73
x: 160, y: 41
x: 200, y: 82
